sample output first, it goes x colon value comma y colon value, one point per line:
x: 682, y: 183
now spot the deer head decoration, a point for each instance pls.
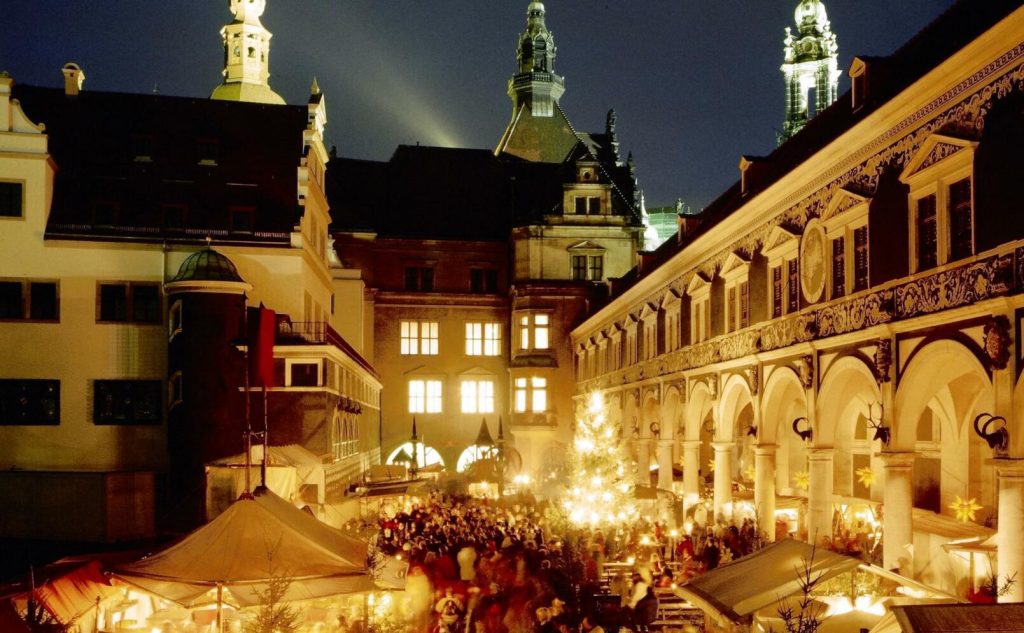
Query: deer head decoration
x: 808, y: 433
x: 992, y: 429
x: 752, y: 431
x: 882, y: 432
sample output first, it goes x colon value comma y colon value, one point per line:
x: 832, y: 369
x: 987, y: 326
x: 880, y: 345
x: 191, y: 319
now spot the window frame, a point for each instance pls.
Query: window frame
x: 528, y: 326
x: 483, y: 345
x: 412, y: 344
x: 422, y: 402
x: 129, y: 287
x: 472, y: 390
x: 9, y: 385
x: 847, y: 213
x: 26, y: 300
x: 156, y: 385
x: 23, y: 188
x: 941, y: 162
x: 528, y: 391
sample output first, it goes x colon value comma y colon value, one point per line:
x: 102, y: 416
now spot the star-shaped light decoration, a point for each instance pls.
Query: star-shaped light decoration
x: 802, y: 479
x: 965, y: 509
x: 711, y: 465
x: 749, y: 473
x: 866, y: 476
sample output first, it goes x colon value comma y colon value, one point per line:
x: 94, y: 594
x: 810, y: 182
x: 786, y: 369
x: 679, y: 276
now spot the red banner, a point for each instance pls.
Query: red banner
x: 262, y: 328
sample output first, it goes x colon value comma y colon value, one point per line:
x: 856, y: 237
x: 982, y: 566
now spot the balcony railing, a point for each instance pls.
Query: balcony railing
x: 317, y: 333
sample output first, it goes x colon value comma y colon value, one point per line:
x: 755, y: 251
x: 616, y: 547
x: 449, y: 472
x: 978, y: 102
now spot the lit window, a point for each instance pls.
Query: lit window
x: 478, y: 396
x: 531, y: 394
x: 419, y: 338
x: 483, y: 339
x: 533, y: 328
x: 424, y: 396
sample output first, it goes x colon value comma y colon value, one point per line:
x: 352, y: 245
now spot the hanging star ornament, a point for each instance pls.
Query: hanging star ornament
x: 749, y: 473
x: 866, y: 476
x: 965, y: 509
x: 711, y: 465
x: 802, y: 479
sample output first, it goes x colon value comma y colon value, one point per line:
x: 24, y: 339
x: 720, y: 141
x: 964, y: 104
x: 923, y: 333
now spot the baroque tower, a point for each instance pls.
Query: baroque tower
x: 536, y: 85
x: 811, y: 64
x: 246, y: 56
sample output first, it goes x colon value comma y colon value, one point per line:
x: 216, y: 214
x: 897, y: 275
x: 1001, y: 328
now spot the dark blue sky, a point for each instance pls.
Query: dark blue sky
x: 695, y: 83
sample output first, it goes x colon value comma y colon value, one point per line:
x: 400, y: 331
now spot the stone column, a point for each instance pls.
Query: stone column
x: 898, y: 512
x: 723, y: 480
x: 691, y: 473
x: 643, y: 460
x: 819, y: 495
x: 665, y: 464
x: 1010, y: 538
x: 764, y: 488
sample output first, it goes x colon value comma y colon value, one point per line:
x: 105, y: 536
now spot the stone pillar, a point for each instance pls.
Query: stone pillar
x: 1010, y: 538
x: 691, y: 473
x: 764, y: 488
x: 643, y: 460
x: 820, y: 496
x: 898, y: 512
x: 665, y: 464
x: 723, y: 480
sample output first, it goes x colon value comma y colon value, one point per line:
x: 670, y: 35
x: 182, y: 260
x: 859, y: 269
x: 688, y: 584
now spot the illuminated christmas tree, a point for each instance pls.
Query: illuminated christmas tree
x: 600, y: 489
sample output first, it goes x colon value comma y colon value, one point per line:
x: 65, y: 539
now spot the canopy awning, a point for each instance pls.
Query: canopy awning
x: 960, y: 618
x: 734, y: 592
x: 251, y: 543
x: 947, y: 526
x: 67, y: 589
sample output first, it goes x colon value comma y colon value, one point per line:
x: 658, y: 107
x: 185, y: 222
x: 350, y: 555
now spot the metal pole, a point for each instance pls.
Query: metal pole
x: 266, y: 439
x: 220, y: 608
x: 248, y: 418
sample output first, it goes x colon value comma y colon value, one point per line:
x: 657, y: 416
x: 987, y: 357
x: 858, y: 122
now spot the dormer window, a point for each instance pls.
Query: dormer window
x: 940, y: 177
x: 586, y: 262
x: 587, y: 205
x: 858, y: 83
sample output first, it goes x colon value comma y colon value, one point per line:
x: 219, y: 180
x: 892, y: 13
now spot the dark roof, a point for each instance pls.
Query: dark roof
x: 123, y: 158
x: 422, y: 192
x: 955, y: 28
x: 207, y: 265
x: 454, y: 194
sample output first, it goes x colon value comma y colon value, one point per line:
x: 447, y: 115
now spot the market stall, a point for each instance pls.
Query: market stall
x: 847, y: 595
x: 293, y: 473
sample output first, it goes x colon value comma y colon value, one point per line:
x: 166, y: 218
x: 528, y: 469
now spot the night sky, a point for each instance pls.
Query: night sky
x: 695, y: 83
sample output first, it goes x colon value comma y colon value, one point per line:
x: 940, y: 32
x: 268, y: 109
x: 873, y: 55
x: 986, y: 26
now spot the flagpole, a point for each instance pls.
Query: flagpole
x: 266, y: 438
x: 248, y: 414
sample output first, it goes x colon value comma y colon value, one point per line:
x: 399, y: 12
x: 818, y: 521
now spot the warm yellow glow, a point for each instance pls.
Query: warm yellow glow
x: 866, y: 476
x: 711, y: 465
x: 645, y: 540
x: 802, y: 479
x: 749, y: 473
x: 674, y: 533
x: 965, y: 509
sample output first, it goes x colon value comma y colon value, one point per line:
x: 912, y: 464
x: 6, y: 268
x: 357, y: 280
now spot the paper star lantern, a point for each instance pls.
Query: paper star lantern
x: 802, y: 479
x: 711, y: 465
x: 749, y: 473
x: 866, y: 476
x: 965, y: 509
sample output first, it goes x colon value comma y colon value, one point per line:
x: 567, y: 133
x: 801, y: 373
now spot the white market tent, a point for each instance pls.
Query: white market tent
x: 290, y: 470
x: 734, y: 593
x: 233, y: 557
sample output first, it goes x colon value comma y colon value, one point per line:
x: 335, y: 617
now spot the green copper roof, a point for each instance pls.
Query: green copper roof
x: 207, y: 265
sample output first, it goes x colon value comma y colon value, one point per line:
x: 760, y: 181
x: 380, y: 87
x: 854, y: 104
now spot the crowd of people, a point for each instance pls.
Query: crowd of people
x: 484, y: 568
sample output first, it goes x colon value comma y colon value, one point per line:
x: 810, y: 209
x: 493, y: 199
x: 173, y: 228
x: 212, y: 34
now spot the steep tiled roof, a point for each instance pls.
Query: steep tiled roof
x: 124, y: 158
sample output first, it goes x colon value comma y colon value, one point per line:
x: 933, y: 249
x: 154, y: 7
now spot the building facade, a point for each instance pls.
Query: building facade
x: 123, y: 330
x: 478, y: 263
x: 844, y: 325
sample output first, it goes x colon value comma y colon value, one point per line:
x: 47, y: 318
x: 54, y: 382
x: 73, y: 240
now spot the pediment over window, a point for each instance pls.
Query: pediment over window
x: 630, y: 322
x: 698, y: 283
x: 477, y: 372
x: 936, y: 149
x: 843, y: 201
x: 780, y: 237
x: 586, y: 245
x: 649, y: 310
x: 670, y: 297
x: 735, y: 264
x: 613, y: 331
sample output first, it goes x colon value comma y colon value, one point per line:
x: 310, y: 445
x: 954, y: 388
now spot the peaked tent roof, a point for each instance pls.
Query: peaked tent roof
x: 960, y: 618
x: 734, y: 592
x: 252, y: 542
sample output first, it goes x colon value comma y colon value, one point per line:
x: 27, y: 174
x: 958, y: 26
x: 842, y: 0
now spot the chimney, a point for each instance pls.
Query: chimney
x: 74, y: 77
x: 751, y: 170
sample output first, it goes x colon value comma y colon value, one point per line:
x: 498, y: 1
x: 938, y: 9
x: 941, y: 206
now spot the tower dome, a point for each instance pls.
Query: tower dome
x: 207, y: 265
x: 811, y: 15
